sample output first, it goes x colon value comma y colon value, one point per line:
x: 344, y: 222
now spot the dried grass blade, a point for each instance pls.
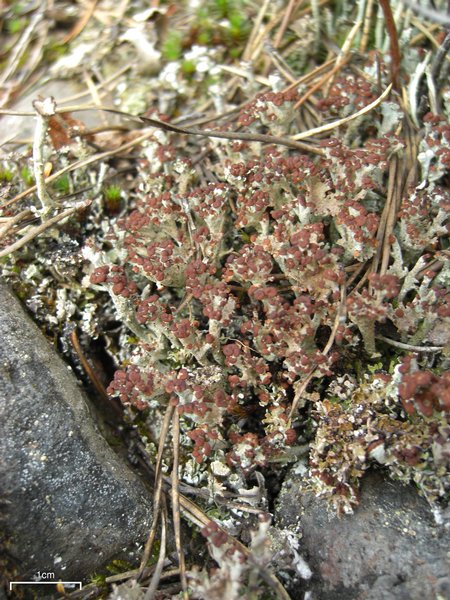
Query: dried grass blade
x: 343, y: 55
x: 318, y: 85
x: 398, y: 177
x: 381, y: 232
x: 394, y: 45
x: 152, y: 588
x: 287, y: 15
x: 311, y: 75
x: 197, y: 516
x: 158, y: 489
x: 339, y: 122
x: 11, y: 221
x: 43, y: 227
x: 81, y: 23
x: 176, y: 500
x: 366, y: 28
x: 21, y: 47
x: 255, y: 31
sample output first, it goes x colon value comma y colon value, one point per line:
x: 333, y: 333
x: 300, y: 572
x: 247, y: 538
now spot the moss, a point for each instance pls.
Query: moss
x: 188, y: 67
x: 172, y: 46
x: 6, y: 176
x: 27, y: 175
x: 16, y: 25
x: 62, y: 185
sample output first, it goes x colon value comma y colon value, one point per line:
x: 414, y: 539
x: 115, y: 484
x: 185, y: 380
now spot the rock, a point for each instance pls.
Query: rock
x: 71, y: 504
x: 390, y: 549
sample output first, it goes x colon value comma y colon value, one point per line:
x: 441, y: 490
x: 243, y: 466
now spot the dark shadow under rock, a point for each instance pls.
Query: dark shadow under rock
x: 71, y: 504
x: 390, y: 549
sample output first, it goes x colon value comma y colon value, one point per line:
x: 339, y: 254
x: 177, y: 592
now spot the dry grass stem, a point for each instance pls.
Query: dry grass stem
x: 396, y: 172
x: 335, y: 124
x: 35, y: 231
x: 342, y: 58
x: 176, y: 500
x: 22, y: 45
x: 154, y: 582
x: 291, y: 7
x: 8, y: 223
x: 81, y: 23
x: 428, y: 13
x: 255, y: 31
x: 157, y: 498
x: 299, y: 391
x: 409, y: 347
x: 366, y: 28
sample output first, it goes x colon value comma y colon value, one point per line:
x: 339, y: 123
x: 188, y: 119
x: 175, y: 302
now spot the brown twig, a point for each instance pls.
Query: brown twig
x: 252, y: 137
x: 228, y: 135
x: 43, y: 227
x: 366, y: 27
x: 157, y: 498
x: 176, y: 500
x: 93, y: 377
x: 152, y: 588
x: 81, y: 23
x: 394, y: 45
x: 10, y: 222
x: 284, y: 23
x: 21, y: 47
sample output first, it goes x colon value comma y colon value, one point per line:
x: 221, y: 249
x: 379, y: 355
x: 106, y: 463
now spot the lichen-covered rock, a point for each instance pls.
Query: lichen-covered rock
x: 389, y: 549
x: 71, y: 503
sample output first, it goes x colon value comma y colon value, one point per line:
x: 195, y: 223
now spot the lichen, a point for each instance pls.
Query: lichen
x: 275, y: 296
x: 360, y: 425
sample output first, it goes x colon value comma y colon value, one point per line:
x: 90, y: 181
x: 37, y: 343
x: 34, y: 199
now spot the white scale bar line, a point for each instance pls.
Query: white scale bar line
x: 54, y: 582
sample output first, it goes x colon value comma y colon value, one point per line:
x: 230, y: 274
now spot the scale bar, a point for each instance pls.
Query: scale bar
x: 54, y: 582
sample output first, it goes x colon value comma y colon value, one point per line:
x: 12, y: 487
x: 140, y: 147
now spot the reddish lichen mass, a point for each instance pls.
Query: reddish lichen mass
x: 233, y: 289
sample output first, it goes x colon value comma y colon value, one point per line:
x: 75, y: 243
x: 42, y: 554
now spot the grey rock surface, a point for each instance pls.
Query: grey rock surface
x: 390, y: 549
x: 72, y: 504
